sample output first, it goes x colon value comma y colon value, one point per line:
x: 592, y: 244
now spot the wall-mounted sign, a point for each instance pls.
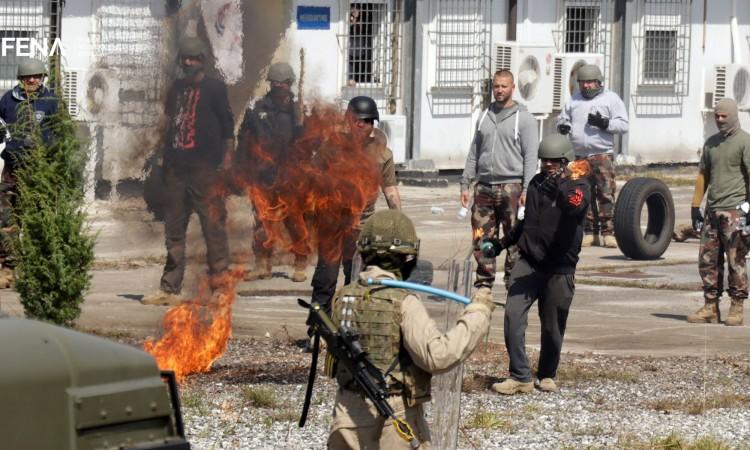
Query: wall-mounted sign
x: 313, y: 18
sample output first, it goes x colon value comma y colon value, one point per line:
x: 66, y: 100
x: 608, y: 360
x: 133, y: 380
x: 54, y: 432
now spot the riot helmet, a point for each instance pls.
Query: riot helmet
x: 364, y: 107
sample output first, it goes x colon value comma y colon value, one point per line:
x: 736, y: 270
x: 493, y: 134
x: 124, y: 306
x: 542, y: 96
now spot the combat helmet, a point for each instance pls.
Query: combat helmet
x: 191, y: 46
x: 364, y: 107
x: 389, y: 240
x: 556, y: 146
x: 30, y: 66
x: 281, y: 72
x: 590, y: 72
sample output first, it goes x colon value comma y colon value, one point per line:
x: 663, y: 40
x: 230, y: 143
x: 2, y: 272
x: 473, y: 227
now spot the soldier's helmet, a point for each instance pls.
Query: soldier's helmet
x: 364, y: 107
x: 281, y: 72
x: 590, y: 72
x: 191, y: 47
x: 388, y: 232
x: 556, y: 146
x: 30, y: 66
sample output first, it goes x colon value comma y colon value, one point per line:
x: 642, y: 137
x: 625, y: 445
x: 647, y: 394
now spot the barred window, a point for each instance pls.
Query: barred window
x: 22, y: 19
x: 581, y: 28
x: 585, y: 26
x: 660, y: 56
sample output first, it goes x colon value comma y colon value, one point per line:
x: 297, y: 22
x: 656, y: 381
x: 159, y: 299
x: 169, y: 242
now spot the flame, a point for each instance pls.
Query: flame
x: 478, y: 233
x: 197, y: 331
x: 579, y: 169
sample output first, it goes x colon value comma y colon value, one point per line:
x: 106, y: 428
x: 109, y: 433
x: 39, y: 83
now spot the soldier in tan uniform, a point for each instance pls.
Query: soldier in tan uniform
x: 400, y: 338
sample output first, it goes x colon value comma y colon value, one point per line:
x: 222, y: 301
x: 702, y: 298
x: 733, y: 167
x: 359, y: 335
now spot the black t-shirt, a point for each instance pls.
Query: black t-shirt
x: 200, y: 120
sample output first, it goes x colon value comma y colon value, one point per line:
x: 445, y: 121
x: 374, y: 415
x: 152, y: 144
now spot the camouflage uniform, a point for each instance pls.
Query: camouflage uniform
x: 495, y: 206
x: 719, y: 237
x: 602, y: 209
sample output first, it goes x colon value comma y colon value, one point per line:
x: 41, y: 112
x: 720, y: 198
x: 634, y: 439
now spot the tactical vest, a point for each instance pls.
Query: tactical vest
x: 375, y: 313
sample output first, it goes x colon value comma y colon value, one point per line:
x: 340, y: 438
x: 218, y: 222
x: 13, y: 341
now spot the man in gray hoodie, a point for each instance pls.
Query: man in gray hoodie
x: 502, y: 160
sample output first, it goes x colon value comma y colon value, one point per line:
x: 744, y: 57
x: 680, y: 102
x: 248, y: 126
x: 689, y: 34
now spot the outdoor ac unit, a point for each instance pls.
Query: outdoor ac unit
x: 531, y: 65
x: 732, y: 81
x: 566, y: 79
x: 394, y: 126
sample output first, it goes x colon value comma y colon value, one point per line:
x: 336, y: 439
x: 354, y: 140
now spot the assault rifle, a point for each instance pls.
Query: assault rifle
x: 343, y: 344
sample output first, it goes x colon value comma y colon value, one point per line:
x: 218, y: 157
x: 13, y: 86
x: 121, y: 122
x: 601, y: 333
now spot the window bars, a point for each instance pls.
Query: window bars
x: 662, y: 38
x: 373, y: 51
x: 33, y: 19
x: 585, y: 26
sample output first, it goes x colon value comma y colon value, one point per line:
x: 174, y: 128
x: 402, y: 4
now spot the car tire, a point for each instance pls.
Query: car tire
x: 652, y: 242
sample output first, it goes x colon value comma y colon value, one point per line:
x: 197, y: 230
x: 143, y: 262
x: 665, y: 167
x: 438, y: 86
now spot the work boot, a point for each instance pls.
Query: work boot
x: 511, y: 386
x: 262, y: 270
x: 546, y: 385
x: 590, y: 240
x: 162, y: 298
x: 300, y: 264
x: 735, y: 313
x: 609, y: 241
x: 7, y: 278
x: 709, y: 313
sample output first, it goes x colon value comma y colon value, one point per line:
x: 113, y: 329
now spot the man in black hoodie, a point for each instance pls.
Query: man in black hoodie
x: 549, y: 241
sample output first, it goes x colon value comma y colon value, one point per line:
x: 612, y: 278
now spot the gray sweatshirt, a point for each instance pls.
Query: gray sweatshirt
x: 587, y: 139
x: 504, y: 148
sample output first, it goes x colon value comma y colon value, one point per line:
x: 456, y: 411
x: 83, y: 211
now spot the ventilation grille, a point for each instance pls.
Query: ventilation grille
x: 504, y: 57
x: 720, y: 83
x: 70, y: 92
x: 557, y: 85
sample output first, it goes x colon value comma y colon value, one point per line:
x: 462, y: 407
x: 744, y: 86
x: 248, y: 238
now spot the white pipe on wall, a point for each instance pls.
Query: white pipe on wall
x: 734, y: 29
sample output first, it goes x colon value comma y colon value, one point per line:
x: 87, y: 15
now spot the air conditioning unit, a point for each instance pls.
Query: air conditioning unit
x: 732, y: 81
x: 531, y: 65
x: 565, y: 76
x: 394, y: 126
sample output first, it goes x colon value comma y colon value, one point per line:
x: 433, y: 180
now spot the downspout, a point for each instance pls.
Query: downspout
x: 511, y: 27
x: 736, y: 54
x: 705, y: 5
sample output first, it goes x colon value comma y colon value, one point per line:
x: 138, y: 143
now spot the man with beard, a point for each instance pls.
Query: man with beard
x: 265, y: 144
x: 502, y: 159
x: 361, y: 114
x: 723, y: 178
x: 200, y: 141
x: 592, y: 117
x: 28, y: 103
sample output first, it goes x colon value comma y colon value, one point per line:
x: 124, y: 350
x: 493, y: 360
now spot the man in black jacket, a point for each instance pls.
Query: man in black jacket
x: 549, y: 241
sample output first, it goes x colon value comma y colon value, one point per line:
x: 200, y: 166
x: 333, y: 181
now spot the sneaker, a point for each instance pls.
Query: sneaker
x: 546, y: 385
x: 162, y: 298
x: 511, y: 386
x: 609, y: 241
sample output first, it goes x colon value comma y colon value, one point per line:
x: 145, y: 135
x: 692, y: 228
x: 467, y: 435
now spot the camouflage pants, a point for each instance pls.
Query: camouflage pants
x: 7, y: 231
x: 602, y: 207
x: 719, y: 240
x: 495, y: 206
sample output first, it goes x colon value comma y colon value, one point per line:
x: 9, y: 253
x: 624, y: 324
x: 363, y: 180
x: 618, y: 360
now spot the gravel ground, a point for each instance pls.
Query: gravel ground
x: 252, y: 398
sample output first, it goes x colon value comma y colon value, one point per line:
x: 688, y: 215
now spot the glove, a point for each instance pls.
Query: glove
x: 598, y: 121
x: 697, y: 218
x: 550, y: 186
x: 563, y: 129
x: 491, y: 247
x: 484, y: 297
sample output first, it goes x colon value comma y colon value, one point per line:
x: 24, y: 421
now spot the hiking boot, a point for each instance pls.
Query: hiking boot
x: 162, y: 298
x: 300, y: 264
x: 590, y: 240
x: 511, y: 386
x: 735, y: 313
x: 609, y: 241
x: 262, y: 270
x: 709, y: 313
x: 546, y: 385
x: 7, y: 278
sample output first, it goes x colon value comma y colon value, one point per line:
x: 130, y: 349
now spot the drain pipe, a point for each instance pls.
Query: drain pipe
x: 736, y: 53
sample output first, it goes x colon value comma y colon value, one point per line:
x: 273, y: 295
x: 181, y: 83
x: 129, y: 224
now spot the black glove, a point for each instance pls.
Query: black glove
x: 697, y: 218
x: 599, y: 121
x: 550, y: 186
x: 563, y: 129
x: 491, y: 247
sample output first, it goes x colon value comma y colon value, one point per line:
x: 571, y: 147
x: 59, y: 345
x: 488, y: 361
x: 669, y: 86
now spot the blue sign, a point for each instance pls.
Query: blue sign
x: 313, y: 18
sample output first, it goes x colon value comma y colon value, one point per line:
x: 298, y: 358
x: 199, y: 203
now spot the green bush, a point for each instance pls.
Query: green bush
x: 53, y: 249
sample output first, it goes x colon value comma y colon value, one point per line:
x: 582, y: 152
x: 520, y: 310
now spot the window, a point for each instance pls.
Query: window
x: 365, y: 42
x: 581, y: 27
x: 659, y: 56
x: 585, y: 26
x: 22, y: 19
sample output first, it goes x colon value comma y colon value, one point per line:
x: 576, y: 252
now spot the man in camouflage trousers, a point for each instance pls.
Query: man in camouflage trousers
x: 502, y: 159
x: 591, y: 118
x: 722, y: 177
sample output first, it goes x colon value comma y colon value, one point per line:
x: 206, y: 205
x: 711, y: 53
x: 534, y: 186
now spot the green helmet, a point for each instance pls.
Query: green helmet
x: 281, y: 72
x: 191, y: 46
x: 388, y: 231
x: 590, y: 72
x: 30, y: 66
x: 556, y: 146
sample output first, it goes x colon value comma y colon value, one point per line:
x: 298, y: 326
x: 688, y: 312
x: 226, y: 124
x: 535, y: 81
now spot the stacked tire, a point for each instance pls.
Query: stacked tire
x: 634, y: 241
